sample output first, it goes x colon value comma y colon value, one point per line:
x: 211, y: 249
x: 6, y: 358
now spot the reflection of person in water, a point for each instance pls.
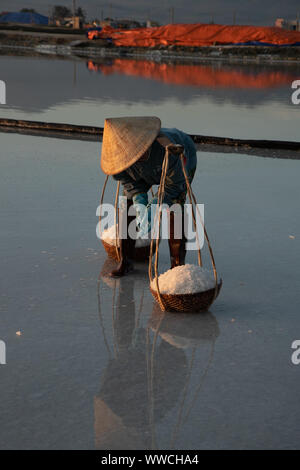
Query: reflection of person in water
x: 122, y: 407
x: 187, y: 332
x: 143, y: 380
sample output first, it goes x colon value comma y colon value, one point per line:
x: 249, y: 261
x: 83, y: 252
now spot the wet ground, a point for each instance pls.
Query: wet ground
x: 95, y: 364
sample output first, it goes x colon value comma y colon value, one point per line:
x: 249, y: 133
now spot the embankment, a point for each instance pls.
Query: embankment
x: 62, y: 43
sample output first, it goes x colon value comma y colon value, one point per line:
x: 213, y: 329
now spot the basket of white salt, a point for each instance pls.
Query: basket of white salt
x: 110, y: 239
x: 111, y: 243
x: 187, y: 288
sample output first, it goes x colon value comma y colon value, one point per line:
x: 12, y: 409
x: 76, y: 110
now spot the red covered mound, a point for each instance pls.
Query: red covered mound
x: 201, y: 35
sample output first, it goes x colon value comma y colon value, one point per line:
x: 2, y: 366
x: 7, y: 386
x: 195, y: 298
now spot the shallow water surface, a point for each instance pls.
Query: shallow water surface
x: 97, y: 365
x: 233, y: 100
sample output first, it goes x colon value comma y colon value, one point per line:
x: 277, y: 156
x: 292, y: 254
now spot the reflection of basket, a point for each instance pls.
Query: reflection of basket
x: 188, y: 302
x: 194, y: 302
x: 141, y: 252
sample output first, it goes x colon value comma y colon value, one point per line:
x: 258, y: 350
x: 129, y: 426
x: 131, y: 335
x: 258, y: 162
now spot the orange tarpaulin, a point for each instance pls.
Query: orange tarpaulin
x: 202, y: 35
x: 105, y: 32
x: 196, y: 75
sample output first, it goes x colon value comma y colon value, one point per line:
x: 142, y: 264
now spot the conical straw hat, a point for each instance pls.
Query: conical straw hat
x: 125, y: 140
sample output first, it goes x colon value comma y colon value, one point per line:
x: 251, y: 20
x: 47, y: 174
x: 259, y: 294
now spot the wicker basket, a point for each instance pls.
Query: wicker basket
x: 141, y: 253
x: 198, y: 302
x: 110, y: 250
x: 188, y: 302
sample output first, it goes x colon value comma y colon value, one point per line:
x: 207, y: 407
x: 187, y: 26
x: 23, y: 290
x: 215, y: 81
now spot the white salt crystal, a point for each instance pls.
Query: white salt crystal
x: 109, y: 236
x: 187, y: 279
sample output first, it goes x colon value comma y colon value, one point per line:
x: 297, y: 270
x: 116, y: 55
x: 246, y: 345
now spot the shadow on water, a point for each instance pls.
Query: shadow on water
x: 153, y: 376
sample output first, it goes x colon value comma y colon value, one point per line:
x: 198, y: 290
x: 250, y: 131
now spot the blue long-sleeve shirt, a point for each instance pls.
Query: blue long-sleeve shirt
x: 144, y: 173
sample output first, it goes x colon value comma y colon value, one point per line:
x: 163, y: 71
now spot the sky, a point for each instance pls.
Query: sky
x: 257, y: 12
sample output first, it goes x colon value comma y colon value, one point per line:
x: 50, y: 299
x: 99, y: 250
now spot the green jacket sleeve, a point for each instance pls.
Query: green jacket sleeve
x: 131, y: 187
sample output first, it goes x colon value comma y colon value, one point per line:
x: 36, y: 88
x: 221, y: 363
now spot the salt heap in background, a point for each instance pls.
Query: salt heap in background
x: 187, y: 279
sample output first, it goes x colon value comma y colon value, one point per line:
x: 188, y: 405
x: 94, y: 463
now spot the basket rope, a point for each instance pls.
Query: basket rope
x: 193, y: 199
x: 116, y: 221
x: 161, y: 191
x: 101, y: 202
x: 116, y: 215
x: 158, y: 215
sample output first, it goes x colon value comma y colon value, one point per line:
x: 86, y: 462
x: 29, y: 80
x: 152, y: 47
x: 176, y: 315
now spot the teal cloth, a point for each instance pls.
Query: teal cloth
x: 142, y: 175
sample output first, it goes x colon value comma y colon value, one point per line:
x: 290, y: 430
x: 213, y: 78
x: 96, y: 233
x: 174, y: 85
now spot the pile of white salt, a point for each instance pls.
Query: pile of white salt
x: 109, y: 236
x: 187, y: 279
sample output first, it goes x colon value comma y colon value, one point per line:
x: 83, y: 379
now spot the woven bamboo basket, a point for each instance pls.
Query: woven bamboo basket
x: 110, y: 250
x: 194, y: 302
x: 141, y: 253
x: 199, y: 302
x: 113, y: 251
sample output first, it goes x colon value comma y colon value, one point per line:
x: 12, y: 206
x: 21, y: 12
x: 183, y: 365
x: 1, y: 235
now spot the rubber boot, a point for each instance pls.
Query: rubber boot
x: 127, y: 247
x: 177, y: 246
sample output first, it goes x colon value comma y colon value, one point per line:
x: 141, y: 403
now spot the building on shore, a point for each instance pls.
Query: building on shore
x: 152, y: 24
x: 291, y: 25
x: 120, y: 23
x: 23, y: 18
x: 75, y: 22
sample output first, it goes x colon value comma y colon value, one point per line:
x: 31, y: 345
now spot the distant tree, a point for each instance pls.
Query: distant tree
x: 28, y: 10
x: 81, y: 13
x: 60, y: 11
